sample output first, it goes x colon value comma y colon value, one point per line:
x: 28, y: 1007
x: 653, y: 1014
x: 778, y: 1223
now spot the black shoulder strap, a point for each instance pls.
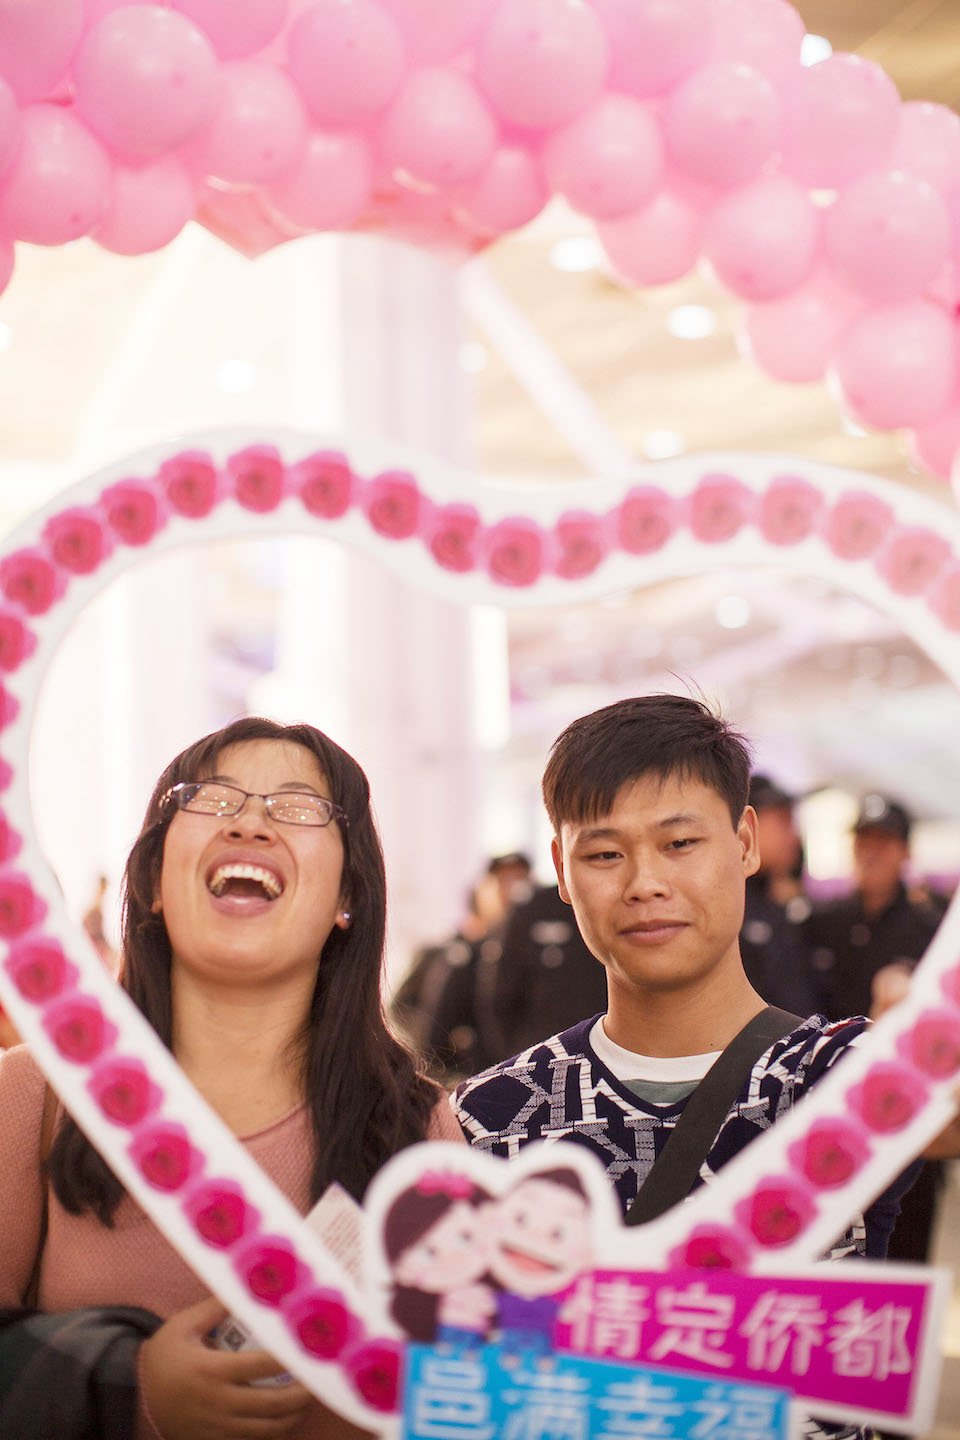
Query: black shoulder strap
x: 676, y: 1168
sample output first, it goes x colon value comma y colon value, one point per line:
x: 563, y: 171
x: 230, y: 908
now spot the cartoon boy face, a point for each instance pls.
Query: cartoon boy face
x: 455, y: 1251
x: 542, y: 1238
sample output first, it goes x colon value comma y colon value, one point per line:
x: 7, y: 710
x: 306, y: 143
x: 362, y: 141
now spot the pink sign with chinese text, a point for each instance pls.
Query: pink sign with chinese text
x: 844, y: 1340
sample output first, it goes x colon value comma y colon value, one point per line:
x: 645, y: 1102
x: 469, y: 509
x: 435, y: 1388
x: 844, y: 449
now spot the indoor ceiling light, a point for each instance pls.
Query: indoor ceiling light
x: 814, y: 49
x: 575, y: 253
x: 662, y: 444
x: 691, y: 322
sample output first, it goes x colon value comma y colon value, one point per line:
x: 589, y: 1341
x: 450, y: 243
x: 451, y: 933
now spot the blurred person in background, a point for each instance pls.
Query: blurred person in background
x: 774, y: 943
x: 546, y: 978
x: 868, y: 943
x: 443, y: 1004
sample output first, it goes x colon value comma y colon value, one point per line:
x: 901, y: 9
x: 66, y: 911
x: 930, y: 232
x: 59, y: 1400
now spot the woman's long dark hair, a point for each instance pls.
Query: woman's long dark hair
x: 366, y: 1099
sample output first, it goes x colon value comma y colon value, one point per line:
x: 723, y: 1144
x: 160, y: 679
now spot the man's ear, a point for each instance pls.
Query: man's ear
x: 557, y: 855
x: 748, y: 833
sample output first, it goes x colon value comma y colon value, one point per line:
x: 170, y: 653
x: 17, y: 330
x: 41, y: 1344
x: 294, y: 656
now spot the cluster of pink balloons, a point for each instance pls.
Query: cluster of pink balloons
x: 688, y: 130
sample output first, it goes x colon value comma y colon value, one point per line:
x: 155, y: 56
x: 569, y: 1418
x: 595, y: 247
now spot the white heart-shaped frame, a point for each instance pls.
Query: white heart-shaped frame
x: 881, y: 1105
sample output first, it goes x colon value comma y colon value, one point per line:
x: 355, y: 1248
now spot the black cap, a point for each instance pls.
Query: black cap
x: 879, y: 812
x: 513, y: 857
x: 766, y: 794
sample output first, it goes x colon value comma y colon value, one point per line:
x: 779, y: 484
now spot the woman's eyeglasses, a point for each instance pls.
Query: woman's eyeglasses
x: 288, y: 807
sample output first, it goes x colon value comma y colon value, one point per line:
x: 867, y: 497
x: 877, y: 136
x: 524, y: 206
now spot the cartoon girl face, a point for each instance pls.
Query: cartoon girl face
x: 455, y: 1251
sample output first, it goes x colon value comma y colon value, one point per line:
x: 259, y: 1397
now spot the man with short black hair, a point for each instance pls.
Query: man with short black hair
x: 653, y: 843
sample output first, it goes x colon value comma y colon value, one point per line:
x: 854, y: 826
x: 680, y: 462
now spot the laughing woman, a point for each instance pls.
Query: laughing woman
x: 253, y: 940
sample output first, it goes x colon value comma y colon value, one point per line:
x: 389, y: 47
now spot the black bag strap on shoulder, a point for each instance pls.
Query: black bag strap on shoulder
x: 676, y: 1168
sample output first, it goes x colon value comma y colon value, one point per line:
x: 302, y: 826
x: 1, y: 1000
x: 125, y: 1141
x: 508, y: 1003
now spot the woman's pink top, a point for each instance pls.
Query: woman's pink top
x: 86, y: 1263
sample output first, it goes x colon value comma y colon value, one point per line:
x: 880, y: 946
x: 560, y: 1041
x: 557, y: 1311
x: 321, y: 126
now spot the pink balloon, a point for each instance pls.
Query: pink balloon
x: 609, y: 161
x: 542, y: 62
x: 762, y: 239
x: 927, y: 145
x: 437, y: 29
x: 840, y: 120
x: 655, y: 43
x: 6, y: 263
x: 9, y: 126
x: 37, y: 42
x: 508, y: 194
x: 259, y: 129
x: 59, y: 185
x: 896, y: 365
x: 330, y: 187
x: 722, y: 123
x: 936, y: 447
x: 659, y: 243
x: 149, y: 207
x: 347, y: 57
x: 888, y: 235
x: 437, y: 132
x: 793, y: 338
x: 145, y: 80
x: 764, y: 34
x: 235, y: 30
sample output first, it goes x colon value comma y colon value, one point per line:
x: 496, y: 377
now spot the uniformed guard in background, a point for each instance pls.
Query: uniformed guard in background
x: 776, y: 949
x: 865, y: 941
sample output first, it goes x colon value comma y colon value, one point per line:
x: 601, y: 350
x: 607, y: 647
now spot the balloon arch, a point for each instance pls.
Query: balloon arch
x: 687, y: 130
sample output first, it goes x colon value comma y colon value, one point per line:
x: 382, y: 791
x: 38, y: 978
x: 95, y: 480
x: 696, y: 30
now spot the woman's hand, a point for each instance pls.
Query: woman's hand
x: 193, y: 1392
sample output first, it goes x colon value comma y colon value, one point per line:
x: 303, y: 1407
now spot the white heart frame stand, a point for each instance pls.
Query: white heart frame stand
x: 895, y: 548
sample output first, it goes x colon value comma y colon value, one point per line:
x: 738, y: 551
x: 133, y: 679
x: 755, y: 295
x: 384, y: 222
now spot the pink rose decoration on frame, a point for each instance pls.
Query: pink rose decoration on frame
x: 944, y: 597
x: 513, y: 552
x: 257, y: 477
x: 78, y: 1028
x: 17, y: 641
x: 856, y: 525
x: 9, y: 707
x: 912, y: 560
x: 581, y: 544
x: 133, y: 510
x: 393, y: 503
x: 40, y: 969
x: 220, y: 1214
x: 269, y: 1268
x: 645, y: 520
x: 888, y: 1097
x: 452, y: 535
x: 20, y: 906
x: 375, y: 1367
x: 325, y: 484
x: 933, y: 1045
x: 163, y: 1154
x: 11, y: 842
x: 29, y: 579
x: 323, y: 1324
x: 123, y: 1090
x: 830, y: 1153
x: 77, y: 539
x: 789, y: 510
x: 777, y: 1212
x: 711, y: 1247
x: 191, y: 483
x: 720, y: 506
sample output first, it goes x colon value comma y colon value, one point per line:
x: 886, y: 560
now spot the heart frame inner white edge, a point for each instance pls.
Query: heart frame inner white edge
x: 681, y: 555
